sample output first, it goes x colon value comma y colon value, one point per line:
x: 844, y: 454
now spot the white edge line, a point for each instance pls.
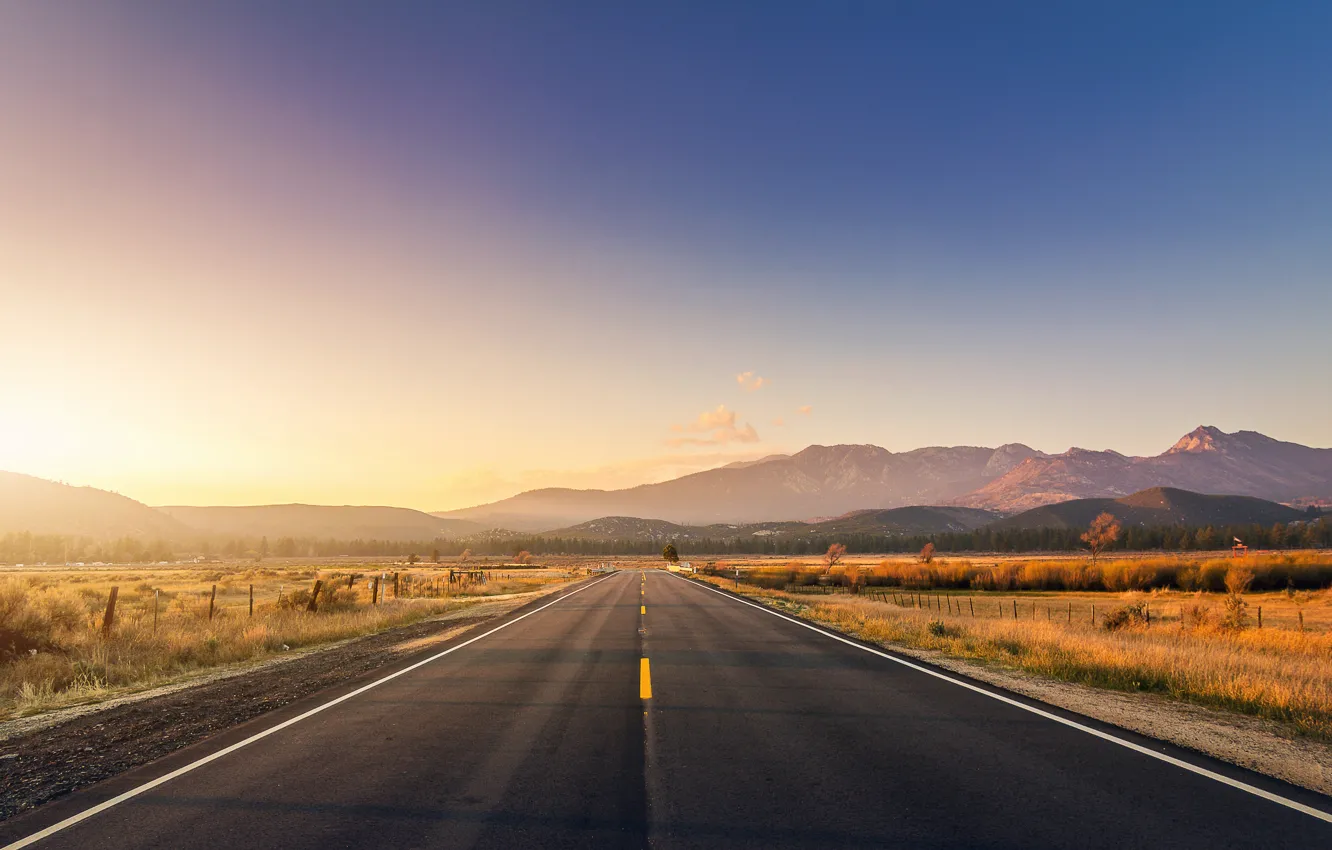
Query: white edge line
x: 1201, y: 771
x: 180, y: 771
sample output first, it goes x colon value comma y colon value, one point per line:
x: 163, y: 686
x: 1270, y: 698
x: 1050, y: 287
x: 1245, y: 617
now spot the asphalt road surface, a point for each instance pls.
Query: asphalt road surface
x: 742, y: 729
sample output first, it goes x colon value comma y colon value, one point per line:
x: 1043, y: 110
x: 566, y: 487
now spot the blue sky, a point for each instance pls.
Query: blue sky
x: 555, y: 231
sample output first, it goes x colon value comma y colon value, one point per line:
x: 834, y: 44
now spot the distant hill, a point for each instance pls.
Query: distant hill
x: 911, y: 520
x: 627, y: 528
x: 818, y: 481
x: 1157, y: 506
x: 918, y: 519
x: 46, y: 507
x: 1206, y: 460
x: 346, y: 522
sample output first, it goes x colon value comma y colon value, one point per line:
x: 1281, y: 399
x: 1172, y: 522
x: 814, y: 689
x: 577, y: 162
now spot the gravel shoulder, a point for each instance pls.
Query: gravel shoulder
x: 50, y: 755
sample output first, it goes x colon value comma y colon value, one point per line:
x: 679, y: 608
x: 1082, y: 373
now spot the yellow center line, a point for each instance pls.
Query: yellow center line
x: 644, y: 680
x: 642, y: 609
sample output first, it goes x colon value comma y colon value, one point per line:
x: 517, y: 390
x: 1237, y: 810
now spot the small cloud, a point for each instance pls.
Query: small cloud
x: 805, y: 410
x: 708, y: 420
x: 720, y: 427
x: 749, y: 382
x: 779, y: 421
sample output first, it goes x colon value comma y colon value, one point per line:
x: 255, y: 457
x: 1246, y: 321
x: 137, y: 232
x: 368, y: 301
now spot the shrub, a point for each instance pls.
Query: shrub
x: 1127, y: 616
x: 36, y: 619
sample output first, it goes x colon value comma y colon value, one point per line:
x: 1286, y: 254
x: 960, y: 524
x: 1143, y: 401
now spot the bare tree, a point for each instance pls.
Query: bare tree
x: 927, y: 553
x: 465, y: 556
x: 834, y: 555
x: 1103, y: 532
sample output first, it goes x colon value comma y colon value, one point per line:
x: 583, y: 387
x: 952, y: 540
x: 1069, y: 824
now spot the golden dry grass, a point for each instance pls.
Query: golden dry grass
x: 1306, y: 570
x: 1276, y: 673
x: 53, y: 651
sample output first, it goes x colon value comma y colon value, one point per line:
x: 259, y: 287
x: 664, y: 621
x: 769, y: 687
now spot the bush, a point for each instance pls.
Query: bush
x: 937, y: 628
x: 36, y: 618
x: 1128, y: 616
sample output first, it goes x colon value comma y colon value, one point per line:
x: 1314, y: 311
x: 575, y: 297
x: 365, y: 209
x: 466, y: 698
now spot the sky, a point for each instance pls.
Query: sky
x: 431, y: 254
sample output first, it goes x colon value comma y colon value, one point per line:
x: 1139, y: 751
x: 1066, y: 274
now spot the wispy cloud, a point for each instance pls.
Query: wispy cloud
x: 779, y: 421
x: 749, y: 382
x: 805, y: 409
x: 720, y: 426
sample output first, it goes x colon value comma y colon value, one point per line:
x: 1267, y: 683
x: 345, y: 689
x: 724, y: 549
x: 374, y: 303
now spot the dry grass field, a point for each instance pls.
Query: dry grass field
x: 1199, y: 646
x: 55, y: 651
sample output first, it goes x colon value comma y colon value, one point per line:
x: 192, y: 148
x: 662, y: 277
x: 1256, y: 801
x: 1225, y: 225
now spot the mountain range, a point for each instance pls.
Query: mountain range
x: 831, y: 480
x: 864, y: 489
x: 818, y: 481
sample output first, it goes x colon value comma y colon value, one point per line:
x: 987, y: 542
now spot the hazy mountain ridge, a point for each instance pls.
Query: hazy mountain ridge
x: 38, y: 506
x: 29, y: 504
x: 342, y: 522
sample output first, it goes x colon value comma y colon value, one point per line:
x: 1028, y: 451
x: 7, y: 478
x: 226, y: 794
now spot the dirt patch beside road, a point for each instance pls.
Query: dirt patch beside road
x: 41, y: 759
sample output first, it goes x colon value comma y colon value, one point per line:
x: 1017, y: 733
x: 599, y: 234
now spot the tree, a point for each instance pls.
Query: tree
x: 412, y: 559
x: 670, y: 554
x: 263, y: 548
x: 1103, y: 532
x: 434, y: 556
x: 927, y: 553
x: 1238, y: 580
x: 834, y: 555
x: 465, y: 556
x: 524, y: 557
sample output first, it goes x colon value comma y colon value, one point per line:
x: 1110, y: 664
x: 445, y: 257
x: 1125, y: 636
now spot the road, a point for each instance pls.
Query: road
x: 758, y: 732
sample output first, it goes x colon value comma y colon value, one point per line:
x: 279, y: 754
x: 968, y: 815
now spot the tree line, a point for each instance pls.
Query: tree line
x: 26, y: 548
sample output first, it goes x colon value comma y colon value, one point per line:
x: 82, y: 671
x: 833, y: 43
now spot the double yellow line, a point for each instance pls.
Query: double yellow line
x: 644, y: 670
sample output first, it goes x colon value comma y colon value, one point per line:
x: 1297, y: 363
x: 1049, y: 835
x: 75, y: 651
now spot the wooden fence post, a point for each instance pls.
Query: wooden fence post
x: 972, y: 606
x: 395, y: 585
x: 1147, y: 613
x: 1015, y: 616
x: 374, y: 590
x: 1301, y: 613
x: 313, y: 607
x: 156, y: 594
x: 212, y: 599
x: 1260, y: 616
x: 109, y: 618
x: 251, y: 600
x: 1070, y: 613
x: 351, y: 578
x: 1093, y: 617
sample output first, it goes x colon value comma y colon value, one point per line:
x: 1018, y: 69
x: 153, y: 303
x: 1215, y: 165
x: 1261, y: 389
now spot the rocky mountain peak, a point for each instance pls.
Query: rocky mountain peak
x: 1204, y: 438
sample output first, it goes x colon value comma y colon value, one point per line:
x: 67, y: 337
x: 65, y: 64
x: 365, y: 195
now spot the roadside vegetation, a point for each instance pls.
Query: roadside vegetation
x: 1185, y: 629
x: 1306, y: 570
x: 56, y: 648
